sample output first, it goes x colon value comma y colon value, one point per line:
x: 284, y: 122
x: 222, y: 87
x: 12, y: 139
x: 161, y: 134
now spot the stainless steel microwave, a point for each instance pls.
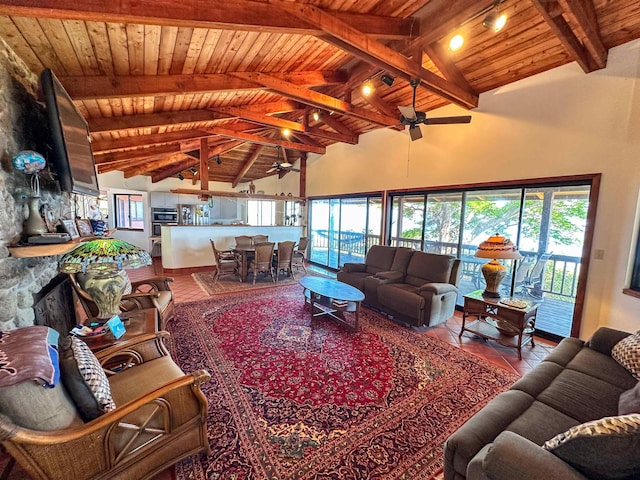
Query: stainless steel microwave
x: 164, y: 215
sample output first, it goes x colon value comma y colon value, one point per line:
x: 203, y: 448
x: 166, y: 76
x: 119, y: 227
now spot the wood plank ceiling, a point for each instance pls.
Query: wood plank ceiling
x: 162, y: 82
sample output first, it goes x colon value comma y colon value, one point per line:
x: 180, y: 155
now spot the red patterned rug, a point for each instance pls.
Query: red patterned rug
x: 296, y: 398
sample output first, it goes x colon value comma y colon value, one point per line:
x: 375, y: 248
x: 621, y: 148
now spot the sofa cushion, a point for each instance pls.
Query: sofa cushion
x: 627, y: 353
x: 581, y: 396
x: 629, y: 401
x: 33, y: 406
x: 85, y: 379
x: 603, y: 367
x: 401, y: 259
x: 379, y: 259
x: 429, y: 268
x: 606, y: 448
x: 401, y: 298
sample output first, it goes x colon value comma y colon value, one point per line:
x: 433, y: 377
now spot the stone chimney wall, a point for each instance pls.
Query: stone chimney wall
x: 23, y: 126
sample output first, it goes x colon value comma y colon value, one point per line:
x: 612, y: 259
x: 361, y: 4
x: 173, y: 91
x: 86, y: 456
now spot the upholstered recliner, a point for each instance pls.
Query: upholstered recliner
x: 380, y: 258
x: 160, y: 417
x: 427, y: 294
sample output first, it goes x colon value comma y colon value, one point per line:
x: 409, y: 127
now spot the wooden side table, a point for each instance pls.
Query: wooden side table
x: 136, y: 322
x: 508, y: 325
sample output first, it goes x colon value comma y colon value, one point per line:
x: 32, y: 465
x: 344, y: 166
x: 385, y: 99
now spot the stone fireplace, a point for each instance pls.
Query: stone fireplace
x: 23, y: 126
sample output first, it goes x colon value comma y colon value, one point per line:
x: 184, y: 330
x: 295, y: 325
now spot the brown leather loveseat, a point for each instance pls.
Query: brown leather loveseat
x: 416, y: 288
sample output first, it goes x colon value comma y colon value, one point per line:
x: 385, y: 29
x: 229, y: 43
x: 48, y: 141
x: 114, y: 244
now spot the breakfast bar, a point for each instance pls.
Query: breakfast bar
x: 189, y: 246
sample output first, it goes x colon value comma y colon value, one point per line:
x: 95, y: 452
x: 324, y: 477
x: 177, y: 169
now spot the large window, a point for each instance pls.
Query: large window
x: 129, y: 211
x: 342, y: 229
x: 261, y: 212
x: 547, y: 222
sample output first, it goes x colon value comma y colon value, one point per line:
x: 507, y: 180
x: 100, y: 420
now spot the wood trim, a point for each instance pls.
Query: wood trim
x: 633, y: 293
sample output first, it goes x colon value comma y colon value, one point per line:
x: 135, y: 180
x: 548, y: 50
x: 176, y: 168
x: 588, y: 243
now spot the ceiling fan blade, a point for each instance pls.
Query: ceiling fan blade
x: 272, y: 169
x: 447, y: 120
x: 414, y: 132
x: 408, y: 112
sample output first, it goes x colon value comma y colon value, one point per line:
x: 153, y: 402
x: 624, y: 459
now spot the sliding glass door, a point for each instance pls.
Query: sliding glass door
x: 342, y: 229
x: 546, y: 222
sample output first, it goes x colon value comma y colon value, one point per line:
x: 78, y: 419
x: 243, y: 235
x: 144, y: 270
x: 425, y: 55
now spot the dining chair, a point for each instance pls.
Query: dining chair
x: 282, y: 262
x: 262, y: 260
x: 244, y: 241
x: 260, y: 239
x: 226, y: 263
x: 299, y: 254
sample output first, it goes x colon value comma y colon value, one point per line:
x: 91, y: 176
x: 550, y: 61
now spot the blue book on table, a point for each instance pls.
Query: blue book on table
x: 116, y: 326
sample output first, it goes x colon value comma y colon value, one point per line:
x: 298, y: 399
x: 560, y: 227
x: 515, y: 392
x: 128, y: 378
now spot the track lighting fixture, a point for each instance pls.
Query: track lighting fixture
x: 180, y: 176
x: 218, y: 160
x: 367, y: 89
x: 193, y: 171
x: 286, y: 132
x: 315, y: 115
x: 494, y: 20
x: 387, y: 79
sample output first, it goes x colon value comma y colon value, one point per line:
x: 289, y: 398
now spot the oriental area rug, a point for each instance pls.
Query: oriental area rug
x: 228, y: 284
x: 293, y: 397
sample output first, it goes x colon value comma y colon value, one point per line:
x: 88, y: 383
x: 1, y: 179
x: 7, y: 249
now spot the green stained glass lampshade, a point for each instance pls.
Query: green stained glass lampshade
x: 104, y: 255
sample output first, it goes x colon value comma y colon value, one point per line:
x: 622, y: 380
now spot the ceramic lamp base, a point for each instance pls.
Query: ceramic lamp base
x: 493, y: 272
x: 106, y: 290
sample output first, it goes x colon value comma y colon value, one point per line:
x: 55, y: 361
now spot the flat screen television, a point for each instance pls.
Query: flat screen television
x: 72, y: 155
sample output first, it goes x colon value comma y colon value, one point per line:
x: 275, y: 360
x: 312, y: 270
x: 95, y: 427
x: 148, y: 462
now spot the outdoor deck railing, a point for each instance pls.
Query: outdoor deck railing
x: 560, y: 274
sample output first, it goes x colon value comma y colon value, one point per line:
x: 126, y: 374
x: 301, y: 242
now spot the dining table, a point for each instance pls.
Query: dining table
x: 246, y: 253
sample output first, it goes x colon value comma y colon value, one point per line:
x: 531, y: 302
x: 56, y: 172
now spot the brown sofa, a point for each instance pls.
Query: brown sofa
x: 416, y: 288
x: 576, y: 383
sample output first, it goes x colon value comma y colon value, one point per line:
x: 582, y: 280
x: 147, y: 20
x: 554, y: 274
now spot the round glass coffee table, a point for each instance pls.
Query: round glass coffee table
x: 328, y: 297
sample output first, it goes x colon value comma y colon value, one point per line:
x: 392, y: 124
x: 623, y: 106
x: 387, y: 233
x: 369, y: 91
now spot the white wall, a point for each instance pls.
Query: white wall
x: 562, y: 122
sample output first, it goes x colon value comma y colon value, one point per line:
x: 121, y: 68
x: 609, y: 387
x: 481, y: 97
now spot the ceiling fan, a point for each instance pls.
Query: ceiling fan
x: 413, y: 118
x: 281, y: 166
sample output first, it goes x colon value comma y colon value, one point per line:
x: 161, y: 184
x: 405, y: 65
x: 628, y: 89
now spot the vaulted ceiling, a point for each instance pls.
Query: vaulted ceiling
x: 178, y: 86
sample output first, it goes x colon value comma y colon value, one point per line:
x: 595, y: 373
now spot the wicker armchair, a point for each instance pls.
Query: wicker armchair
x: 159, y: 419
x: 152, y: 292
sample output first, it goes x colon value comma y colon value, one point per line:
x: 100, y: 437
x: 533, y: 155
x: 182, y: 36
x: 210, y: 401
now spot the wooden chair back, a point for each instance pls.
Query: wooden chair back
x: 244, y: 241
x: 257, y: 239
x: 263, y: 259
x: 284, y: 258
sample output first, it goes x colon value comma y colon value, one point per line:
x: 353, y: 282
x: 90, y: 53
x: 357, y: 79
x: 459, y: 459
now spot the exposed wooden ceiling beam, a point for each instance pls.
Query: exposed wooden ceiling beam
x: 249, y: 137
x: 174, y: 167
x: 150, y: 120
x: 157, y: 164
x: 317, y: 99
x: 551, y: 12
x: 138, y: 153
x: 283, y: 106
x: 248, y: 163
x: 584, y: 14
x: 354, y: 41
x: 204, y: 164
x: 226, y: 15
x: 440, y: 59
x: 375, y: 101
x: 260, y: 118
x: 104, y: 146
x: 336, y: 124
x: 329, y: 135
x: 100, y: 86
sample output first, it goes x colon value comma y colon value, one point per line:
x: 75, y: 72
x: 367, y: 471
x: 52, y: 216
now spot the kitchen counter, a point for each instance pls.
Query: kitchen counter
x: 188, y: 246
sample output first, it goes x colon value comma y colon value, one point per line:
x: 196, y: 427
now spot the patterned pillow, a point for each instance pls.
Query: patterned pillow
x: 99, y: 227
x: 85, y: 379
x: 627, y: 353
x: 605, y: 448
x: 629, y: 401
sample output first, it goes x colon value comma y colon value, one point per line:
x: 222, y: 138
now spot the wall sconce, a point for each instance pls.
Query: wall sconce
x: 387, y: 79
